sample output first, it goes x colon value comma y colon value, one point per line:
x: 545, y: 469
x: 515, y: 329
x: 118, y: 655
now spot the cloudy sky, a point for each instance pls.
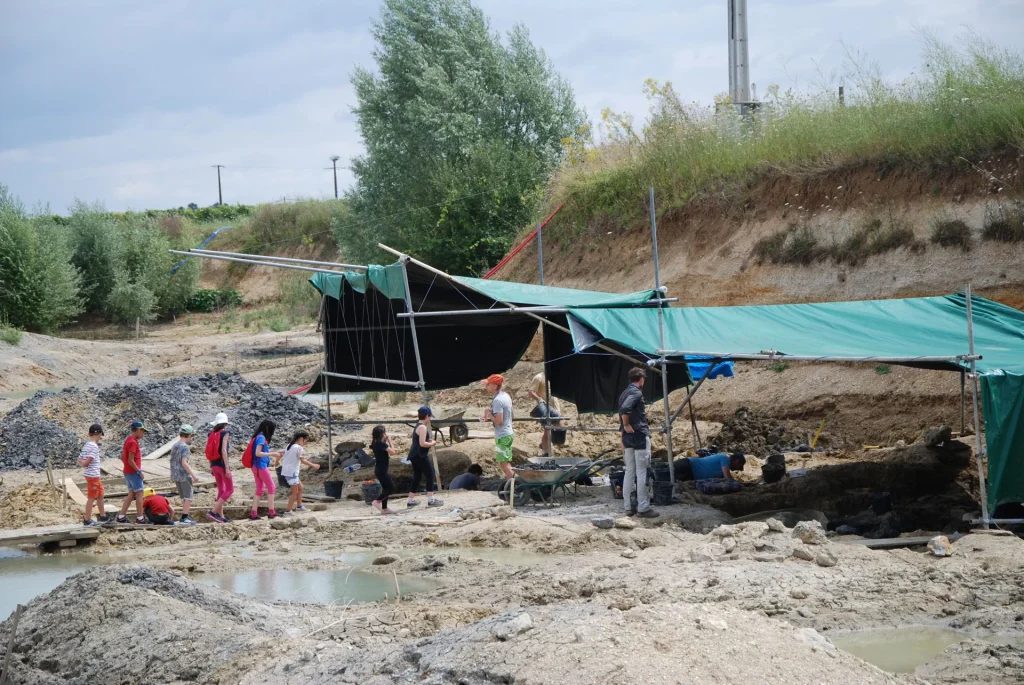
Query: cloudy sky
x: 130, y: 103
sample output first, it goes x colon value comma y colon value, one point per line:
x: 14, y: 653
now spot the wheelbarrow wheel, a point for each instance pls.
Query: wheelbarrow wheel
x: 459, y: 432
x: 523, y: 493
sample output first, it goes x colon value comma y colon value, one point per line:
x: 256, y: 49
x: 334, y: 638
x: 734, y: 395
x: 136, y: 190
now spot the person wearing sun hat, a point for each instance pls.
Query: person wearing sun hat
x: 217, y: 456
x: 500, y: 415
x: 131, y: 459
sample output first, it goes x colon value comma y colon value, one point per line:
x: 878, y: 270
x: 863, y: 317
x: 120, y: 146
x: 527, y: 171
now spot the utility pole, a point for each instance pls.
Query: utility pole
x: 220, y: 193
x: 739, y: 58
x: 334, y: 165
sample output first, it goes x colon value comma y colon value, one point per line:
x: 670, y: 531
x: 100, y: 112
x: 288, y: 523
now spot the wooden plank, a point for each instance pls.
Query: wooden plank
x: 162, y: 450
x: 40, y: 536
x: 79, y: 498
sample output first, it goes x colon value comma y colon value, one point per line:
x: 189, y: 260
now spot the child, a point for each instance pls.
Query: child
x: 131, y: 459
x: 217, y: 455
x: 261, y: 455
x: 290, y: 470
x: 89, y: 460
x: 418, y: 457
x: 182, y: 473
x: 380, y: 444
x: 158, y: 510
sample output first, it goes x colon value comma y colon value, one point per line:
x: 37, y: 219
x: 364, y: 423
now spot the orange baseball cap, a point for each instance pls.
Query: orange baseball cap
x: 496, y: 379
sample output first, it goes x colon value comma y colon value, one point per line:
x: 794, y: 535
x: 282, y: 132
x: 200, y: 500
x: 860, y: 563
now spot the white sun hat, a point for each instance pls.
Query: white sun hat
x: 219, y: 419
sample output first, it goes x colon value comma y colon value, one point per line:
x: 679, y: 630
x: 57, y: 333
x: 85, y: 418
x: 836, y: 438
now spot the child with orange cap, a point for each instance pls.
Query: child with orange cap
x: 500, y: 415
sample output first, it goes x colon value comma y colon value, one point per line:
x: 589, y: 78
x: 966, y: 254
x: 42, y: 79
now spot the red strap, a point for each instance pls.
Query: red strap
x: 520, y: 246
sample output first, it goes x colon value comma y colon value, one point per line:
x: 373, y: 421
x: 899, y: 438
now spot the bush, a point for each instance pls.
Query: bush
x: 951, y: 233
x: 794, y: 245
x: 209, y: 300
x: 1004, y: 222
x: 278, y: 324
x: 296, y: 224
x: 883, y: 369
x: 397, y: 398
x: 363, y: 405
x: 130, y: 300
x: 778, y: 367
x: 300, y: 299
x: 10, y: 335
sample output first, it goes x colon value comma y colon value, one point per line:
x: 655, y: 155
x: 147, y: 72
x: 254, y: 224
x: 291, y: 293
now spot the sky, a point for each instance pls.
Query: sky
x: 132, y: 103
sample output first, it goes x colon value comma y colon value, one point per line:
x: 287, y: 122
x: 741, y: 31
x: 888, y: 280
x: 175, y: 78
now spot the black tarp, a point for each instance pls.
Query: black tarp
x: 364, y: 336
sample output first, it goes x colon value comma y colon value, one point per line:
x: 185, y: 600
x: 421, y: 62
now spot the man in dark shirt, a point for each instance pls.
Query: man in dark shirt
x: 470, y: 480
x: 636, y: 439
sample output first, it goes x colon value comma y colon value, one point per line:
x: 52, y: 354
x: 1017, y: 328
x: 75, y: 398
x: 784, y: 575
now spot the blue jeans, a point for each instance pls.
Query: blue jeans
x: 133, y: 481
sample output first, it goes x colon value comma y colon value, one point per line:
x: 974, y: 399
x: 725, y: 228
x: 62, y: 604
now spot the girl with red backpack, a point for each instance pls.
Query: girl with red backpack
x: 257, y: 457
x: 217, y: 455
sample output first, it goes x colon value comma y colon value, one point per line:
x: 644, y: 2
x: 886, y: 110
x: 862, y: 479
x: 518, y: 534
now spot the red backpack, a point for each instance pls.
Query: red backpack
x: 213, y: 445
x: 247, y: 455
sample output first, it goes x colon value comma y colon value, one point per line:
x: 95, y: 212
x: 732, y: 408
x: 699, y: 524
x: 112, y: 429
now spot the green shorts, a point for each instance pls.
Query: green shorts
x: 503, y: 449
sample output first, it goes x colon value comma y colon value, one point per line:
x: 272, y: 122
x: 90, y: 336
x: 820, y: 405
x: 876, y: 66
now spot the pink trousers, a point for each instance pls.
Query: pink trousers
x: 263, y: 481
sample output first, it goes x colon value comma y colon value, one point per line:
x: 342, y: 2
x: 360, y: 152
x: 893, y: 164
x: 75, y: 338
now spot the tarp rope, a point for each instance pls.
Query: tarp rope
x: 526, y: 241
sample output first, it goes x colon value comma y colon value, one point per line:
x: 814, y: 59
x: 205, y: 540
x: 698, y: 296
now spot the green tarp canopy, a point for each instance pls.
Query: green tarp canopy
x: 913, y: 327
x: 388, y: 280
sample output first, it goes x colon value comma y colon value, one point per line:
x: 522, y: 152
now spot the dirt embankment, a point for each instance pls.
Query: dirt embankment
x: 707, y: 248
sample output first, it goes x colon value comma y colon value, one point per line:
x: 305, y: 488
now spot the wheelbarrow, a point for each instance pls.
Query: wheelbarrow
x: 541, y: 485
x: 455, y: 422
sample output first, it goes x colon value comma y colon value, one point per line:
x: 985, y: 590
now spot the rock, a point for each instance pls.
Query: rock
x: 280, y: 524
x: 940, y: 546
x: 707, y: 552
x: 816, y: 641
x: 604, y: 522
x: 510, y: 627
x: 725, y: 531
x: 702, y: 519
x: 385, y: 559
x: 776, y: 525
x: 806, y: 612
x: 901, y: 443
x: 810, y: 533
x: 936, y: 437
x: 846, y: 530
x: 729, y: 544
x: 769, y: 558
x: 628, y: 553
x: 825, y: 557
x: 625, y: 523
x: 799, y: 593
x: 801, y: 552
x: 712, y: 623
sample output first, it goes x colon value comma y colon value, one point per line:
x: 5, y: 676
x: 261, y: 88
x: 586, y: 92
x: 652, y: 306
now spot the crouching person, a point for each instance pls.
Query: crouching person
x: 158, y: 510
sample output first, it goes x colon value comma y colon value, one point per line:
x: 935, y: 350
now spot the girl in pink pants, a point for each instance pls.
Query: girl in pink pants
x: 261, y: 456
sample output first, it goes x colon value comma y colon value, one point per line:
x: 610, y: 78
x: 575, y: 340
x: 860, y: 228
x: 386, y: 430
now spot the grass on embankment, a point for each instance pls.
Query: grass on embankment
x: 968, y: 101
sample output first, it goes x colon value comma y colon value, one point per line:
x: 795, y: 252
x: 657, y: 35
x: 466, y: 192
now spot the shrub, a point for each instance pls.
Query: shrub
x: 208, y: 300
x: 769, y: 249
x: 363, y: 405
x: 1004, y: 222
x: 10, y: 335
x: 883, y: 369
x: 130, y: 300
x: 397, y: 398
x: 799, y: 247
x: 300, y: 299
x: 778, y: 367
x: 295, y: 224
x: 951, y: 233
x: 278, y: 324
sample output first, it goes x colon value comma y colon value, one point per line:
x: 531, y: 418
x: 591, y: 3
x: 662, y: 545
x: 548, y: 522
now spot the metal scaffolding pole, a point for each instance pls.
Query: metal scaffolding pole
x: 322, y: 322
x: 286, y: 260
x: 980, y: 449
x: 403, y: 259
x: 661, y: 341
x: 776, y: 356
x: 254, y: 262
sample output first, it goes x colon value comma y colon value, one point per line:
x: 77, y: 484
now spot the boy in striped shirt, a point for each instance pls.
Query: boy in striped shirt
x: 89, y: 460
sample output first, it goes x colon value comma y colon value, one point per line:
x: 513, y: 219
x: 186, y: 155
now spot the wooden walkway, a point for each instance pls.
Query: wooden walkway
x: 66, y: 536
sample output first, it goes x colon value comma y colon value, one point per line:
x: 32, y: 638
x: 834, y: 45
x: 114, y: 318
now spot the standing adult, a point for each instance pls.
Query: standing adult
x: 636, y: 439
x: 217, y: 456
x: 544, y: 409
x: 419, y: 457
x: 500, y: 415
x: 131, y: 460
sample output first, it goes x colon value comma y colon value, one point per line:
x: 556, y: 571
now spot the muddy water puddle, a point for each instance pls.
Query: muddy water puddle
x: 24, y: 575
x: 511, y: 557
x: 901, y: 650
x: 316, y: 587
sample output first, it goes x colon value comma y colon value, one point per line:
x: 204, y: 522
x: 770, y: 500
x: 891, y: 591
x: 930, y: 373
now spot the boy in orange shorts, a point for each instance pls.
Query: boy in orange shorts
x: 89, y: 460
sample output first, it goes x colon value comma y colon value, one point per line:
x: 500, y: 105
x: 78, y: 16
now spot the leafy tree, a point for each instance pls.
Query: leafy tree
x: 462, y: 133
x: 97, y: 251
x: 38, y: 284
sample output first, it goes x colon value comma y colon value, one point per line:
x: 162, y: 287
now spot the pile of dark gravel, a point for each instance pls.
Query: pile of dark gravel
x: 27, y: 437
x: 758, y: 435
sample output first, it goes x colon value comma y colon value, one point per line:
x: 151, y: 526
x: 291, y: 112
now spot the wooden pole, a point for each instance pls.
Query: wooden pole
x: 10, y: 645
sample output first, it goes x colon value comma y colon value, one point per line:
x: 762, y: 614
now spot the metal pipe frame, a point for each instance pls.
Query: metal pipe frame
x: 254, y: 262
x: 980, y: 450
x: 447, y: 277
x: 370, y: 379
x: 728, y: 356
x: 693, y: 390
x: 287, y: 260
x: 510, y: 309
x: 661, y: 341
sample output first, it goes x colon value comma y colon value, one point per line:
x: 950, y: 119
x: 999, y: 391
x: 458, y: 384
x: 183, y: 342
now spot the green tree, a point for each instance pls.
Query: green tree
x: 39, y: 287
x: 462, y: 133
x: 97, y: 251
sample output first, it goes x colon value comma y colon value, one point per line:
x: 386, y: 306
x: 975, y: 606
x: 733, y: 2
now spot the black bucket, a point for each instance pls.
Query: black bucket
x: 558, y: 436
x: 281, y: 480
x: 333, y: 488
x: 371, y: 492
x: 661, y: 473
x: 773, y: 473
x: 662, y: 493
